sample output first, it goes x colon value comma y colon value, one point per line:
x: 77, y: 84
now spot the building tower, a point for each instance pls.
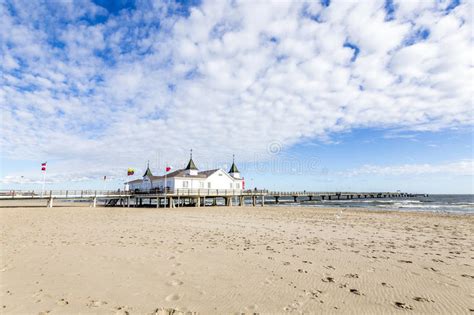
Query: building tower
x: 191, y: 169
x: 234, y: 172
x: 147, y: 181
x: 148, y: 171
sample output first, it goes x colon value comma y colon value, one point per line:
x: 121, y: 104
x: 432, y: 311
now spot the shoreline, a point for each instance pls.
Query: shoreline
x: 5, y: 204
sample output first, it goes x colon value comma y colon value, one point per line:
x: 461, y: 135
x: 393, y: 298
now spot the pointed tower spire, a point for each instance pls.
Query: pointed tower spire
x: 148, y: 171
x: 234, y: 171
x: 191, y: 165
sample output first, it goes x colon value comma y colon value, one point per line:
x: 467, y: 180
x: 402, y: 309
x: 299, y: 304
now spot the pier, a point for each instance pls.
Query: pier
x: 193, y: 197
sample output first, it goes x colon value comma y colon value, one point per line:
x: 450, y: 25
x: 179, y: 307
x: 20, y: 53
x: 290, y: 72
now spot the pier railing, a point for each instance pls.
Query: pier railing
x: 185, y: 192
x: 18, y: 194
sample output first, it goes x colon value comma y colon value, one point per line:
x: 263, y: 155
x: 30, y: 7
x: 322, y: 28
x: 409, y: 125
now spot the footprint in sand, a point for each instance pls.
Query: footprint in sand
x: 173, y: 297
x: 175, y: 273
x: 422, y: 299
x: 403, y: 305
x: 328, y: 279
x: 170, y: 311
x: 96, y: 303
x: 121, y: 310
x: 175, y: 283
x: 354, y: 291
x: 62, y: 302
x: 251, y: 308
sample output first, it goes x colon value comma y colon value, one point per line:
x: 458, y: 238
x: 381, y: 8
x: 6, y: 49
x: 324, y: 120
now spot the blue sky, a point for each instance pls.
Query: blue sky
x: 330, y: 95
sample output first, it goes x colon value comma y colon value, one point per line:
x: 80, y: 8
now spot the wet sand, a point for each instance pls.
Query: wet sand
x: 69, y: 260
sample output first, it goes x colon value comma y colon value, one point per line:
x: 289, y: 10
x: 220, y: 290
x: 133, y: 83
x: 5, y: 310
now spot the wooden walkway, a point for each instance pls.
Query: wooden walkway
x: 192, y: 197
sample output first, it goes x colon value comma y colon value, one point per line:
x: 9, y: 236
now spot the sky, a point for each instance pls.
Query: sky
x: 309, y: 95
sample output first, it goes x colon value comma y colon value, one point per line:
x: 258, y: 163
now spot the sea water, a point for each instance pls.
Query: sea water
x: 462, y: 204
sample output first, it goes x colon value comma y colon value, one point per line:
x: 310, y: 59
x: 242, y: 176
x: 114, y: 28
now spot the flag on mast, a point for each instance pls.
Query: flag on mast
x: 43, y: 166
x: 130, y: 171
x: 168, y: 168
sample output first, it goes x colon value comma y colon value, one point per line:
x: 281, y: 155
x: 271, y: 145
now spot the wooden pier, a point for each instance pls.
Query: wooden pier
x: 193, y: 197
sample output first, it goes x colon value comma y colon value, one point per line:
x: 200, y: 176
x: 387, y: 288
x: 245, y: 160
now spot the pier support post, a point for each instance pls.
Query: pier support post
x: 242, y: 201
x: 254, y: 201
x: 295, y: 198
x: 50, y: 202
x: 128, y: 202
x: 171, y: 201
x: 203, y: 201
x: 157, y: 202
x: 310, y: 198
x: 263, y: 200
x: 198, y: 202
x: 94, y: 202
x: 277, y: 199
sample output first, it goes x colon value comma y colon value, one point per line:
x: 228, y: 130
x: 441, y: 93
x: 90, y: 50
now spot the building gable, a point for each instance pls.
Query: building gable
x: 223, y: 173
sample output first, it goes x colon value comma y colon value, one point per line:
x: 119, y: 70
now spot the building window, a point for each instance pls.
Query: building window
x: 201, y: 184
x: 237, y: 185
x: 209, y: 185
x: 230, y: 185
x: 185, y: 184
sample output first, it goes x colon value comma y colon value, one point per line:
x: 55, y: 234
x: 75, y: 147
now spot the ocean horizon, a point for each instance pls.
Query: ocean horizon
x: 438, y: 203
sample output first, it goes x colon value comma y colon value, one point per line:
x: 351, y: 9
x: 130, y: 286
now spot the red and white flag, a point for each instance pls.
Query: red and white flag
x: 168, y: 168
x: 43, y: 166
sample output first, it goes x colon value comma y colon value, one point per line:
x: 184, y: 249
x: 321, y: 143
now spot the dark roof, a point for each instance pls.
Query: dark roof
x: 134, y: 181
x: 182, y: 173
x: 148, y: 172
x: 208, y: 173
x: 191, y: 165
x: 233, y: 168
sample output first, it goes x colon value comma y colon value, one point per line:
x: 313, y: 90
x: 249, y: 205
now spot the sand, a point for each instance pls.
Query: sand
x: 69, y: 260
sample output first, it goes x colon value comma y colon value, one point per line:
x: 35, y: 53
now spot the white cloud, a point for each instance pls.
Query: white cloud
x: 463, y: 168
x: 230, y: 77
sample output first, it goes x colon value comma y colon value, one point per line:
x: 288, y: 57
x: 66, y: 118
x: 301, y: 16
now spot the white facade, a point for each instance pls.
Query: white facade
x: 186, y: 179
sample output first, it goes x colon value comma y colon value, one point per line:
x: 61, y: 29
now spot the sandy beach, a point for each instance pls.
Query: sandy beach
x: 69, y: 260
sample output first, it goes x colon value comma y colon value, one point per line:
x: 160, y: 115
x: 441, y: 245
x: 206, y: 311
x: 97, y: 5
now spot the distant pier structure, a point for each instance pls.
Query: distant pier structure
x: 193, y: 197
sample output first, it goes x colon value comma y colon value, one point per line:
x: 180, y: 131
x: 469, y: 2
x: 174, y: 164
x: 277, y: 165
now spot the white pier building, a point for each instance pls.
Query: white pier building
x: 190, y: 178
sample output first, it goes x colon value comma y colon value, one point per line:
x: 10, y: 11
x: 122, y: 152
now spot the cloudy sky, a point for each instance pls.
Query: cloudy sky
x: 329, y: 95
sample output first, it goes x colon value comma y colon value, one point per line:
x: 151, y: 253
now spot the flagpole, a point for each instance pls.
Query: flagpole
x: 44, y: 180
x: 166, y: 173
